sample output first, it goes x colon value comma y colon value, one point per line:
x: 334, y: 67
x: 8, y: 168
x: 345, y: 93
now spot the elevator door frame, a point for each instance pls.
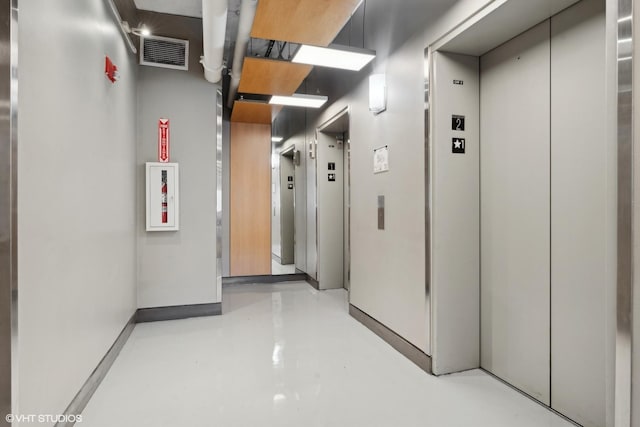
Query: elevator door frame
x: 482, y: 26
x: 339, y: 123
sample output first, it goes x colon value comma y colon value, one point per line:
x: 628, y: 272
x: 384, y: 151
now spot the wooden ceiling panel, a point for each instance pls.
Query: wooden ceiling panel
x: 270, y: 77
x: 315, y: 22
x: 254, y: 112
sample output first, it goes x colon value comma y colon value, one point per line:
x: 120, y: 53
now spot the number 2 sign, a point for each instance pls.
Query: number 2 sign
x: 457, y: 122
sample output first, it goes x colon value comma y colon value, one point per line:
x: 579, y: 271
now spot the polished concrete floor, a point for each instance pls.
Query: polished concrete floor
x: 287, y: 355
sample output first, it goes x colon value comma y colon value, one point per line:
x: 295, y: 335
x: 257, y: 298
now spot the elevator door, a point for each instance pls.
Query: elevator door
x: 582, y: 213
x: 514, y: 211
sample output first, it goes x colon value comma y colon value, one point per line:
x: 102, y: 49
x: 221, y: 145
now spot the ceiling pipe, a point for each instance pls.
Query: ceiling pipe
x: 214, y: 25
x: 247, y: 13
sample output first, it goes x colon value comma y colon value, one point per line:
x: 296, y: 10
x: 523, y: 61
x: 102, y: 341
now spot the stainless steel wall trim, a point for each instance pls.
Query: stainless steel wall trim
x: 408, y: 350
x: 428, y: 72
x: 90, y: 386
x: 219, y: 195
x: 624, y: 313
x: 8, y: 210
x: 14, y: 202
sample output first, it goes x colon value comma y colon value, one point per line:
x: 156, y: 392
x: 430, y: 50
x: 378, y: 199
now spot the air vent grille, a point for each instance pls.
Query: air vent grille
x: 165, y: 52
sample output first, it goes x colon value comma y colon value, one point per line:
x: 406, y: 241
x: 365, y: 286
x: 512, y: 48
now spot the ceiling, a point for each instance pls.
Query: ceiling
x: 315, y: 22
x: 192, y: 8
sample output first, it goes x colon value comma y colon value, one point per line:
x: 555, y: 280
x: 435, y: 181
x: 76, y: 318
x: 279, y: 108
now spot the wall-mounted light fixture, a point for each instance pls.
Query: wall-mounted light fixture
x: 142, y: 31
x: 377, y: 93
x: 299, y: 100
x: 334, y: 56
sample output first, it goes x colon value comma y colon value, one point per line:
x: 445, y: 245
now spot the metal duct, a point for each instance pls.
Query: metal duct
x: 214, y: 24
x: 247, y: 13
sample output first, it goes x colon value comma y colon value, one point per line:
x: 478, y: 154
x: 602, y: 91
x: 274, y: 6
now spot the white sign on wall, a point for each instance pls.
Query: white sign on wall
x: 381, y: 159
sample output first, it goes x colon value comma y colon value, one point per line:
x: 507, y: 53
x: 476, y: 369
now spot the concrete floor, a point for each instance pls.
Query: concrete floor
x: 287, y: 355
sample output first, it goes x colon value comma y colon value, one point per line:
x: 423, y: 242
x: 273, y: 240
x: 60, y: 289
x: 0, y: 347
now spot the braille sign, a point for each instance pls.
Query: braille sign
x: 457, y: 145
x: 332, y: 166
x: 290, y: 178
x: 458, y: 82
x: 457, y: 122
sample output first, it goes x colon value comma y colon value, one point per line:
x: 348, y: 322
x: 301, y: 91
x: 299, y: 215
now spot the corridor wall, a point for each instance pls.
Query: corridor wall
x: 77, y: 204
x: 388, y: 278
x: 178, y: 268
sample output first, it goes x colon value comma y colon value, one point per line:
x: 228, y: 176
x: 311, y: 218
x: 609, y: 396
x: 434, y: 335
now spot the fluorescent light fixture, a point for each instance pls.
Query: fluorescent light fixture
x: 342, y: 57
x: 276, y: 139
x: 299, y: 100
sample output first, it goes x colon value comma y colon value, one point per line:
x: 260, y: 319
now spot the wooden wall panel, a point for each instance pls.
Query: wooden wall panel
x: 250, y: 199
x: 254, y: 112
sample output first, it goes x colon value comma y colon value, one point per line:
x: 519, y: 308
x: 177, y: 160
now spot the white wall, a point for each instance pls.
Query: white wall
x: 76, y: 209
x: 177, y: 268
x: 388, y: 267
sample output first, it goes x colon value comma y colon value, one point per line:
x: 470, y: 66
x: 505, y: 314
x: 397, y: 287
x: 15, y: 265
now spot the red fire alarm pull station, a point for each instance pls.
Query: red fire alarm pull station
x: 110, y: 70
x: 163, y: 140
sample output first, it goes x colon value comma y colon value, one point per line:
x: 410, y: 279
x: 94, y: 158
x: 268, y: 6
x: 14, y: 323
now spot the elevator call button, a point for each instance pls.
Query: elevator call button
x: 332, y: 177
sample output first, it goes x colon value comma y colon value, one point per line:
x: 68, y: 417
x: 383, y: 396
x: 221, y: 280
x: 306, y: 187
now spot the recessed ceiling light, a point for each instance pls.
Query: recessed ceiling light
x: 342, y: 57
x: 299, y: 100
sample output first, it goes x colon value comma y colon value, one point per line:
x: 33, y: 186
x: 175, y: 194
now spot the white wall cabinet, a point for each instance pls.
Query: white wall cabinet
x: 162, y: 187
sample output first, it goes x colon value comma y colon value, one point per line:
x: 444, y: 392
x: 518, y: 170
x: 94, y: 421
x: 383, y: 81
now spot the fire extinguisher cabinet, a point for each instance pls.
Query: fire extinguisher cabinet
x: 162, y: 197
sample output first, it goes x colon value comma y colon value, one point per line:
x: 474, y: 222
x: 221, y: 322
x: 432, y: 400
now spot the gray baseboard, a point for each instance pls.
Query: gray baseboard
x: 313, y: 282
x: 141, y: 315
x: 403, y: 346
x: 247, y: 280
x: 81, y: 399
x: 177, y: 312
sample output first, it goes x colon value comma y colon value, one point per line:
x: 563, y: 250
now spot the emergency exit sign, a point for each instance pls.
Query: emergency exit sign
x: 163, y: 140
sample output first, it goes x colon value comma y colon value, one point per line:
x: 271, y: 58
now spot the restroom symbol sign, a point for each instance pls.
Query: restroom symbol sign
x: 457, y: 145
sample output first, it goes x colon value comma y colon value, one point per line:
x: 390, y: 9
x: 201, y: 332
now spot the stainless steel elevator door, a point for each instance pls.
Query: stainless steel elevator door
x: 514, y: 206
x: 582, y: 213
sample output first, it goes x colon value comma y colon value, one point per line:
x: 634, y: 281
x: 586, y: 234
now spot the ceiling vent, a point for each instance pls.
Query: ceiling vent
x: 164, y: 52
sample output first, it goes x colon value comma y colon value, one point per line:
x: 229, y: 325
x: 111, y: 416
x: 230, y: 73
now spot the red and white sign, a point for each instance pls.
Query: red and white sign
x: 163, y: 140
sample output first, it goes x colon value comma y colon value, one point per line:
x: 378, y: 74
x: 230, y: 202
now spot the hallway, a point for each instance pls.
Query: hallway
x: 287, y: 355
